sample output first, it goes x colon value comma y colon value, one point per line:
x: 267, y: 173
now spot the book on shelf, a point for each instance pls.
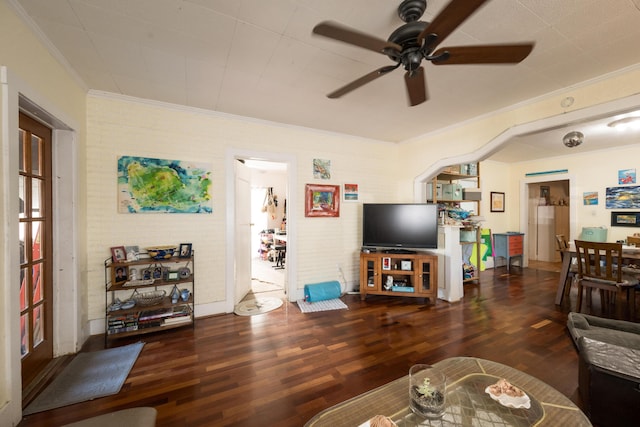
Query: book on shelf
x: 161, y: 313
x: 144, y: 324
x: 177, y: 320
x: 119, y: 330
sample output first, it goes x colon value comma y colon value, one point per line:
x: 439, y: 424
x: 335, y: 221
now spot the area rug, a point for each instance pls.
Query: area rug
x: 259, y: 305
x: 88, y: 376
x: 326, y: 305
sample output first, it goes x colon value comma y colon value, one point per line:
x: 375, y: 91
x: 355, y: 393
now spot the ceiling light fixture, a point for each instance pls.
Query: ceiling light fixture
x: 573, y: 139
x: 624, y: 121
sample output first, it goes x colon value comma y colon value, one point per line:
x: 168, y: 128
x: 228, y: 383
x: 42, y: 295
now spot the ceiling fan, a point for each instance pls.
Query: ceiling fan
x: 417, y: 40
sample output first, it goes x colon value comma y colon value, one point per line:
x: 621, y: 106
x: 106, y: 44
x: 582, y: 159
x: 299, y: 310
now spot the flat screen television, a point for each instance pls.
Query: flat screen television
x: 400, y: 225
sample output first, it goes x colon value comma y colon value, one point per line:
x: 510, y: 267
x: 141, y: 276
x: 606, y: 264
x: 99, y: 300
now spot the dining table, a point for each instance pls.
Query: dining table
x: 630, y: 256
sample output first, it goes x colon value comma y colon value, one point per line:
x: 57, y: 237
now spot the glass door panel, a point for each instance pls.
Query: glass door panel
x: 36, y: 257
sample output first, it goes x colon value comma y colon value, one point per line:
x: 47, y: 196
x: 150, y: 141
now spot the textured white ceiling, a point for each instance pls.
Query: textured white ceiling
x: 258, y: 58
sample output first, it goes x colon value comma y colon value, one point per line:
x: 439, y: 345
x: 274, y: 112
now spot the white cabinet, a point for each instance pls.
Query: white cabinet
x: 450, y: 285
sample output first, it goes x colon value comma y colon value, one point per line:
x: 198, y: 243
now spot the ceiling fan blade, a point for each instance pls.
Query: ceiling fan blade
x: 416, y: 86
x: 454, y: 14
x: 488, y: 54
x: 345, y: 34
x: 362, y: 81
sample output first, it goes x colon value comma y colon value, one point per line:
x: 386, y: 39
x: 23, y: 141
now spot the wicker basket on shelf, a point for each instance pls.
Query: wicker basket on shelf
x: 149, y: 298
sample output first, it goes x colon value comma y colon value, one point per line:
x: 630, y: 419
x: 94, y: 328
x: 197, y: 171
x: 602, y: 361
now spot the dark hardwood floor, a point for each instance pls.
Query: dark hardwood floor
x: 281, y: 368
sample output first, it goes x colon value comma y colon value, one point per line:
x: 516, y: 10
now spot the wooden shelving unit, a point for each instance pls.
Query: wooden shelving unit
x: 453, y: 176
x: 166, y: 275
x: 407, y: 275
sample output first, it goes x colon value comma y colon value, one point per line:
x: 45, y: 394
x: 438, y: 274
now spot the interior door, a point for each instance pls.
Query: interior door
x: 243, y: 232
x: 36, y: 258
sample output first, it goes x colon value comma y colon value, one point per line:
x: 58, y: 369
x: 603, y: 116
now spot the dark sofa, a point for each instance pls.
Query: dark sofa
x: 609, y: 368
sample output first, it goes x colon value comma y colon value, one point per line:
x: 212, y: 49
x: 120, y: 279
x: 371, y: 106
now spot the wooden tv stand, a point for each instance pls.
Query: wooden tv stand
x: 399, y: 274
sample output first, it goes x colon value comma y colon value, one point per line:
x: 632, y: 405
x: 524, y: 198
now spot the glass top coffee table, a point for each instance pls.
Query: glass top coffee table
x: 467, y: 403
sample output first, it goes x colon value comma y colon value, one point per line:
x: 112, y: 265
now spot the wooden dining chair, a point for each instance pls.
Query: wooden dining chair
x: 600, y: 267
x: 563, y: 244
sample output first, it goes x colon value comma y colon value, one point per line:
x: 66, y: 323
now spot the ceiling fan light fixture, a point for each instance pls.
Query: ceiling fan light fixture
x: 573, y: 139
x: 626, y: 121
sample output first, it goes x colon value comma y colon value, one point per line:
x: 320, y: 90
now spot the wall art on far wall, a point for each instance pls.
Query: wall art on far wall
x: 497, y: 201
x: 321, y: 169
x: 322, y: 200
x: 623, y: 197
x: 625, y: 219
x: 350, y: 192
x: 147, y: 185
x: 590, y: 198
x: 627, y: 176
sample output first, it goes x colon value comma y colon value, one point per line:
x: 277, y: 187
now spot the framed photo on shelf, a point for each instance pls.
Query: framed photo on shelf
x: 121, y: 274
x: 185, y: 250
x: 156, y: 272
x: 386, y: 263
x: 133, y: 253
x: 118, y: 254
x: 497, y: 201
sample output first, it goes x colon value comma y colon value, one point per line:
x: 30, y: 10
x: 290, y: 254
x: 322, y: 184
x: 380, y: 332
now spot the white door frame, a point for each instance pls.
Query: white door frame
x: 574, y: 201
x: 232, y: 155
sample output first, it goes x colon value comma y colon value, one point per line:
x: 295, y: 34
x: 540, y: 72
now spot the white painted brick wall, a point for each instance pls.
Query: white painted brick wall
x: 120, y: 126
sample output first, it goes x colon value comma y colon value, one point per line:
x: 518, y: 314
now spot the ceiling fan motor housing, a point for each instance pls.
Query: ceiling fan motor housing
x: 407, y: 37
x: 411, y: 10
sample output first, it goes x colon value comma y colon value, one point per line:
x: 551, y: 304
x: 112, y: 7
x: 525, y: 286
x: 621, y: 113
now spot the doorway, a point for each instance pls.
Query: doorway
x: 236, y: 235
x: 268, y: 257
x: 548, y: 212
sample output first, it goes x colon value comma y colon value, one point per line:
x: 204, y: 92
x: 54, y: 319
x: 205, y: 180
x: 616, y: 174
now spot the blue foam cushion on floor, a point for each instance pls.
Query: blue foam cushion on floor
x: 322, y: 291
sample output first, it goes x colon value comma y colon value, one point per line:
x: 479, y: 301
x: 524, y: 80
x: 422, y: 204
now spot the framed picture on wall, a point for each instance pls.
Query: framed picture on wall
x: 322, y: 200
x: 497, y: 201
x: 625, y: 219
x: 350, y: 192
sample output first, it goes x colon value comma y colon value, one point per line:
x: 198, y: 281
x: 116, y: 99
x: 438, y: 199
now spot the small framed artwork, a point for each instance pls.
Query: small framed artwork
x: 121, y: 274
x: 321, y: 169
x: 590, y: 198
x: 386, y: 263
x: 157, y: 272
x: 133, y: 253
x: 497, y: 201
x: 627, y: 176
x: 625, y: 219
x: 545, y: 193
x: 185, y: 250
x: 405, y: 265
x: 322, y: 200
x: 350, y: 192
x: 118, y: 254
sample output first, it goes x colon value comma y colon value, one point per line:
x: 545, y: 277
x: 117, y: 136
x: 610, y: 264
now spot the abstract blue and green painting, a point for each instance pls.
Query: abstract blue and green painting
x: 147, y: 185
